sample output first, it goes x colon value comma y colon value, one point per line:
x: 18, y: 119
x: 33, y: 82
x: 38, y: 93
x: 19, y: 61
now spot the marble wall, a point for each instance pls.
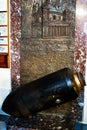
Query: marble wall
x: 80, y: 36
x: 15, y: 8
x: 47, y: 122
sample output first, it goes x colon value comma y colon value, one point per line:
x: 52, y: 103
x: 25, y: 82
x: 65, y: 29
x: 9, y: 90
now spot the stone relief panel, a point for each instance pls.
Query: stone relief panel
x: 48, y: 28
x: 50, y: 19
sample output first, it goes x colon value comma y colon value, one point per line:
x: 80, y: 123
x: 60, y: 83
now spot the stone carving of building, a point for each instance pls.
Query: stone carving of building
x: 50, y: 20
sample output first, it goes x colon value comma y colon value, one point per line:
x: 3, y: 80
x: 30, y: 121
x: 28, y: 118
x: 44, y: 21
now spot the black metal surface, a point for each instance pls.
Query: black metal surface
x: 43, y: 93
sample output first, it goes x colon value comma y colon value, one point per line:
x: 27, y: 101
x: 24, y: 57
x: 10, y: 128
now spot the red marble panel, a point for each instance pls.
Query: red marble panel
x: 15, y: 6
x: 80, y: 36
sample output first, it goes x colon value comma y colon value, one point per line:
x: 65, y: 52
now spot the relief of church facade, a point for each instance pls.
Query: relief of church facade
x: 50, y: 19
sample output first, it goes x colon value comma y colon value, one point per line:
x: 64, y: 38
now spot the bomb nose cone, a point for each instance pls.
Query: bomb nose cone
x: 9, y: 105
x: 14, y: 105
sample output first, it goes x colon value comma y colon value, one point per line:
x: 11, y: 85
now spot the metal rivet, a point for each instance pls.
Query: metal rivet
x: 58, y: 101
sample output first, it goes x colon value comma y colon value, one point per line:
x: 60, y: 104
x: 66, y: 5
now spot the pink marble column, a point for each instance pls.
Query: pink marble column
x: 80, y: 37
x: 15, y: 7
x: 80, y: 50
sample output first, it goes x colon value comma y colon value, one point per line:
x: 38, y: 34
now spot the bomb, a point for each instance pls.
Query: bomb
x: 49, y: 91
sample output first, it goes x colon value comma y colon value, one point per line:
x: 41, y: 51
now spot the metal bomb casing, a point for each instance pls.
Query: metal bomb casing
x: 49, y: 91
